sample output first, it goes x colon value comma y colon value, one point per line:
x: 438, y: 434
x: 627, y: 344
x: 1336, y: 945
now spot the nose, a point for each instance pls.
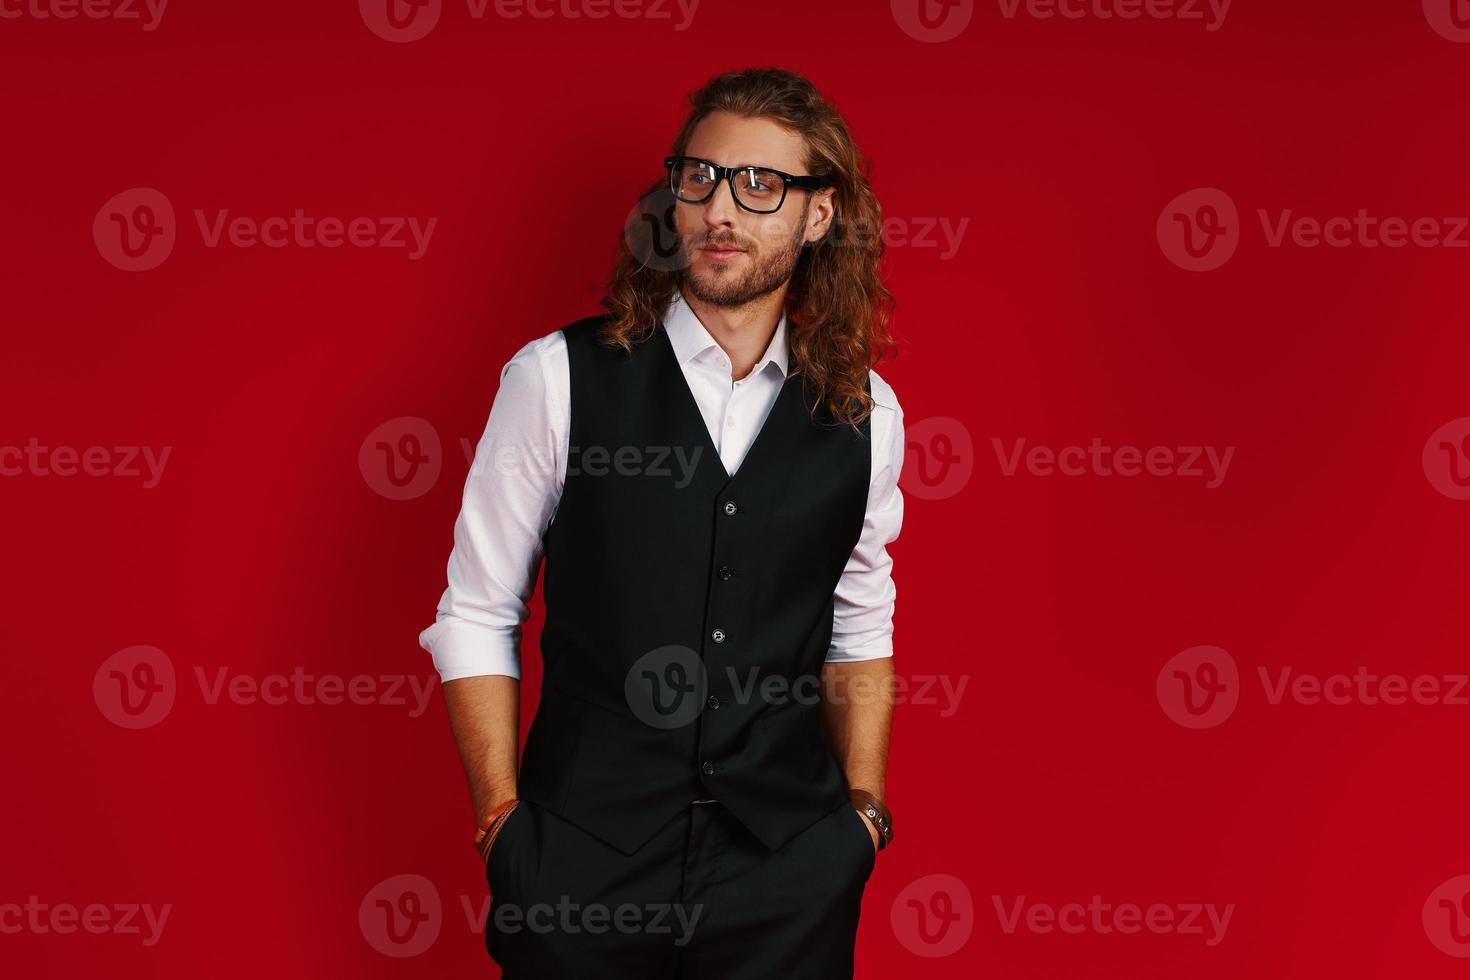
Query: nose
x: 720, y: 209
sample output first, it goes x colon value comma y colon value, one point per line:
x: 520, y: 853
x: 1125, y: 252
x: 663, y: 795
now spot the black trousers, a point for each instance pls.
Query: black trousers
x: 702, y: 900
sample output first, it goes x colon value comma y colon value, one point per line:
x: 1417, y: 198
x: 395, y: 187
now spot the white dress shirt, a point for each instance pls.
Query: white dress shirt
x: 515, y: 484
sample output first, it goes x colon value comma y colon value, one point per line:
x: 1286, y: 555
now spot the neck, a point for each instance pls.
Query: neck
x: 743, y: 332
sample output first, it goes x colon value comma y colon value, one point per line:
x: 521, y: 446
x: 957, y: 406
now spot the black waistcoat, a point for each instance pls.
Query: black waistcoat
x: 688, y: 613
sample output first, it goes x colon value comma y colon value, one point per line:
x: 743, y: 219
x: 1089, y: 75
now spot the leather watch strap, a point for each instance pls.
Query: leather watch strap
x: 872, y: 808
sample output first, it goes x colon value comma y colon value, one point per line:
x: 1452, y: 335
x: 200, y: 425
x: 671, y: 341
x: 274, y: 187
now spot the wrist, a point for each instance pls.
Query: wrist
x: 492, y: 801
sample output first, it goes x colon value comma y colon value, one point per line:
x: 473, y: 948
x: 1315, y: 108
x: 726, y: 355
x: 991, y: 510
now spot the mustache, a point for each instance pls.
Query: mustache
x: 721, y: 243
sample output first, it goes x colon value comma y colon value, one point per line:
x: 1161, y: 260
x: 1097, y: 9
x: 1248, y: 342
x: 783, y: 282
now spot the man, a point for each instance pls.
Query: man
x: 710, y: 472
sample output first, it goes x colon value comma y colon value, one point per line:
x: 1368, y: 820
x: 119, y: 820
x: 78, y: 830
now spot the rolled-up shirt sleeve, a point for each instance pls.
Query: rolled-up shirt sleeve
x: 862, y: 618
x: 510, y: 497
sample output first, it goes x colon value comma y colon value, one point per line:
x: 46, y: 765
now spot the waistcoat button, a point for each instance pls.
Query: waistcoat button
x: 718, y: 636
x: 730, y: 507
x: 725, y: 572
x: 708, y: 768
x: 713, y: 702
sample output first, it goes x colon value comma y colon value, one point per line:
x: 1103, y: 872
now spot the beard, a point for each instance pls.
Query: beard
x: 766, y: 272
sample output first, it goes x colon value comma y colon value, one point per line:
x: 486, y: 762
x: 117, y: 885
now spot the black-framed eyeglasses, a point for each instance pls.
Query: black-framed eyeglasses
x: 759, y: 190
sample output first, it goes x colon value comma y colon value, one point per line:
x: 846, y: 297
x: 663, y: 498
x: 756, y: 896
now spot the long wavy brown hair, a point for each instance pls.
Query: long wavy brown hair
x: 837, y: 306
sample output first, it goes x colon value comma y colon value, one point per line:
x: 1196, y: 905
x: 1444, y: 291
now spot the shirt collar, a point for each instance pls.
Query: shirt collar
x: 690, y: 339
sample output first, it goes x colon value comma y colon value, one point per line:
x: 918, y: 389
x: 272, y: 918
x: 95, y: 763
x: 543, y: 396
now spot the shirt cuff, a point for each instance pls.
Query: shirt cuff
x: 465, y: 649
x: 869, y: 650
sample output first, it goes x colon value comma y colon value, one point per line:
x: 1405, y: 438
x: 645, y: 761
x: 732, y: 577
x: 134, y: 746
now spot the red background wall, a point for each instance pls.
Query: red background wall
x: 1336, y: 540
